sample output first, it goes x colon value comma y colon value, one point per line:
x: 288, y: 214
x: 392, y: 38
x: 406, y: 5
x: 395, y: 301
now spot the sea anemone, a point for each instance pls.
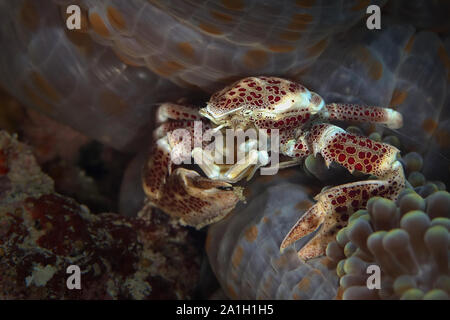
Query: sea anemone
x: 407, y: 240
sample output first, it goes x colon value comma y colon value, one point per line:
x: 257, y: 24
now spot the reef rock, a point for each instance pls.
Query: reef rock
x: 42, y: 233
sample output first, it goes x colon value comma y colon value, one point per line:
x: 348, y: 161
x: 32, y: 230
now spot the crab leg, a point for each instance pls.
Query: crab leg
x: 169, y: 126
x: 333, y: 205
x: 352, y: 112
x: 176, y: 112
x: 178, y: 135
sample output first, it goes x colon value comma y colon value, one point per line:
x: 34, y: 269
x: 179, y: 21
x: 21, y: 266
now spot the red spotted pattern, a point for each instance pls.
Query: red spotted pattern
x: 256, y: 93
x: 179, y: 112
x: 156, y: 171
x: 351, y: 197
x: 354, y: 152
x: 290, y: 121
x: 352, y: 112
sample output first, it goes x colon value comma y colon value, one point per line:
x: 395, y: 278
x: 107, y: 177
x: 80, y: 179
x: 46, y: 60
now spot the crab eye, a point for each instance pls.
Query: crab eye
x: 246, y: 112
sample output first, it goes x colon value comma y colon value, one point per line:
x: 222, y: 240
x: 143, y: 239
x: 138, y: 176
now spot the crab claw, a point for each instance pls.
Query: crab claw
x: 199, y: 201
x: 195, y: 200
x: 308, y: 223
x: 333, y: 207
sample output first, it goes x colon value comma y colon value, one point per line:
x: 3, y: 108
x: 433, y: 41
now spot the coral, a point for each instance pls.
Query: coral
x: 407, y: 239
x: 57, y: 149
x: 80, y: 167
x: 42, y: 233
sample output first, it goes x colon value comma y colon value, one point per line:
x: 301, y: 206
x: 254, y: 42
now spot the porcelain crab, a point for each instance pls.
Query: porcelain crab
x: 299, y: 117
